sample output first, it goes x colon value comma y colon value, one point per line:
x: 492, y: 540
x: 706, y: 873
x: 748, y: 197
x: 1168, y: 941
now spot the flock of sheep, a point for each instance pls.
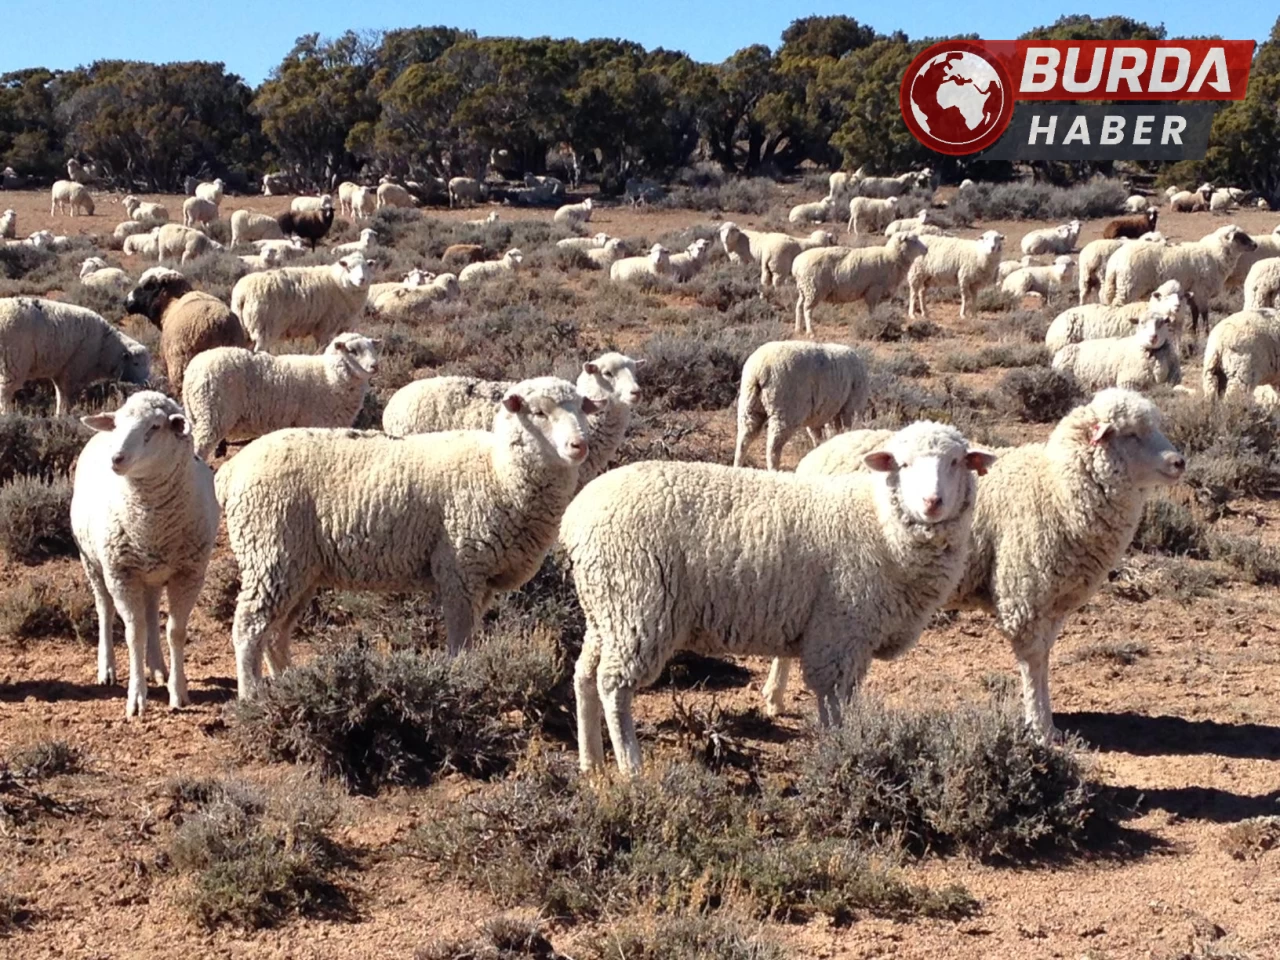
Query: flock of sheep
x: 471, y: 483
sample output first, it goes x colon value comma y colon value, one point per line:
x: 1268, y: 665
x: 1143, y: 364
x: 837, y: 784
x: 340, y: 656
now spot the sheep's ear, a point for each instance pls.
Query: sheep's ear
x: 179, y: 424
x: 641, y: 362
x: 102, y: 422
x: 1100, y: 432
x: 590, y: 367
x: 340, y: 346
x: 590, y: 406
x: 513, y: 402
x: 979, y: 461
x: 882, y: 461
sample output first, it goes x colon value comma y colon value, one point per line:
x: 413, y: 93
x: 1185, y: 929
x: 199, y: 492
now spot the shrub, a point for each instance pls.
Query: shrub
x: 1121, y: 652
x: 1257, y: 563
x: 999, y: 355
x: 36, y: 608
x: 42, y: 447
x: 35, y: 519
x: 738, y: 195
x: 501, y: 938
x: 45, y: 758
x: 686, y: 937
x: 904, y: 363
x: 17, y: 261
x: 698, y: 368
x: 1037, y: 394
x: 884, y: 323
x: 1169, y: 528
x: 14, y: 912
x: 1038, y: 201
x: 1232, y: 447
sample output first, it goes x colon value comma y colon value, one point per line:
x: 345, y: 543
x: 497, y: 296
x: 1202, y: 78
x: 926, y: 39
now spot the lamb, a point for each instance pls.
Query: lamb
x: 574, y: 214
x: 671, y: 556
x: 95, y: 272
x: 656, y: 264
x: 176, y: 242
x: 196, y: 211
x: 1136, y: 203
x: 468, y: 514
x: 843, y: 275
x: 1061, y: 239
x: 1262, y: 285
x: 466, y: 190
x: 368, y: 240
x: 247, y: 226
x: 1041, y: 281
x: 70, y: 198
x: 921, y: 225
x: 741, y: 246
x: 346, y: 190
x: 1202, y: 267
x: 294, y: 302
x: 144, y: 515
x: 189, y: 321
x: 130, y: 228
x: 364, y: 203
x: 1095, y: 321
x: 1268, y: 246
x: 72, y: 346
x: 1144, y: 360
x: 790, y: 385
x: 310, y: 204
x: 814, y: 212
x: 778, y: 252
x: 462, y: 253
x: 1007, y: 267
x: 969, y: 264
x: 1221, y: 201
x: 413, y: 302
x: 871, y: 215
x: 1185, y: 201
x: 211, y: 191
x: 476, y: 272
x: 394, y: 195
x: 1051, y: 521
x: 603, y: 258
x: 8, y: 224
x: 1242, y: 354
x: 152, y: 214
x: 310, y: 225
x: 1131, y: 227
x: 583, y: 243
x: 145, y: 245
x: 235, y: 394
x: 686, y: 264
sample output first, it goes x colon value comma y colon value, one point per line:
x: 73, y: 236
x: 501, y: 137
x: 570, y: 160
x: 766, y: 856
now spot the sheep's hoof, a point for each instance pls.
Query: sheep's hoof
x: 107, y: 678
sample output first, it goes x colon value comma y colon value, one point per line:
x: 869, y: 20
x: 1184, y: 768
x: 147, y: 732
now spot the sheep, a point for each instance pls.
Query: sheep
x: 1262, y: 204
x: 885, y: 187
x: 174, y: 241
x: 70, y: 198
x: 310, y: 225
x: 247, y: 226
x: 1007, y: 267
x: 1061, y: 239
x: 212, y: 192
x: 1267, y: 246
x: 686, y: 264
x: 603, y: 258
x: 414, y: 278
x: 741, y: 246
x: 269, y: 259
x: 468, y: 514
x: 294, y: 302
x: 143, y: 244
x: 413, y: 302
x: 464, y: 189
x: 72, y: 346
x: 1095, y: 321
x: 1051, y: 521
x: 307, y: 204
x: 814, y: 212
x: 77, y: 173
x: 842, y: 275
x: 144, y: 515
x: 1131, y: 227
x: 464, y: 403
x: 508, y: 263
x: 965, y: 184
x: 542, y: 189
x: 130, y: 228
x: 1221, y: 201
x: 790, y: 385
x: 1039, y: 280
x: 394, y: 195
x: 1172, y: 191
x: 152, y: 214
x: 364, y: 203
x: 346, y: 189
x: 1242, y: 354
x: 189, y: 321
x: 583, y: 243
x: 921, y: 225
x: 1262, y: 285
x: 276, y: 184
x: 656, y: 264
x: 970, y: 264
x: 840, y: 184
x: 1201, y: 267
x: 488, y: 221
x: 871, y: 215
x: 1146, y: 359
x: 574, y: 214
x: 8, y: 224
x: 1184, y: 201
x: 460, y: 254
x: 282, y: 249
x: 235, y: 394
x: 368, y: 240
x: 95, y: 272
x: 1136, y: 203
x: 1093, y: 260
x: 196, y: 211
x: 778, y: 251
x: 671, y: 556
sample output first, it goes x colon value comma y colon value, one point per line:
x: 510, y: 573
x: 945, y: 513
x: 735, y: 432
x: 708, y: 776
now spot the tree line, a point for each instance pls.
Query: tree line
x: 436, y: 101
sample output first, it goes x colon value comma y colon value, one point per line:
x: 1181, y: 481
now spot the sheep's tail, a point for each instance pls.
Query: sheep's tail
x: 1108, y: 291
x: 1213, y: 378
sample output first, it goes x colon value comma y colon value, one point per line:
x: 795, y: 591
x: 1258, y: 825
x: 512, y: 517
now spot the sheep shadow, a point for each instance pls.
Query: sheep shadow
x: 1149, y: 736
x: 691, y: 671
x: 1198, y: 803
x: 52, y: 691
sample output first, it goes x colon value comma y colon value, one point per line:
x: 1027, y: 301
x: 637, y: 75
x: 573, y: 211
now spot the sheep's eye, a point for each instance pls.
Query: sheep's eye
x: 608, y: 376
x: 538, y: 414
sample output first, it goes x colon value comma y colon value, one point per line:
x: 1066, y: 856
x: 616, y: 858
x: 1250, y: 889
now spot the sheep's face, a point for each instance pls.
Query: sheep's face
x: 148, y: 434
x: 91, y: 265
x: 931, y: 467
x: 417, y: 278
x: 1240, y: 240
x: 353, y: 272
x: 1128, y: 444
x: 991, y: 242
x: 513, y: 258
x: 611, y: 376
x: 360, y: 353
x: 552, y: 415
x: 909, y: 245
x: 600, y: 239
x: 1153, y: 330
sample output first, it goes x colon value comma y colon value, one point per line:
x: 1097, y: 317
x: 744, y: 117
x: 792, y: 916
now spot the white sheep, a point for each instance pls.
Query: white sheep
x: 236, y: 394
x: 393, y: 195
x: 1186, y: 201
x: 144, y: 211
x: 77, y: 173
x: 869, y: 215
x: 1007, y: 267
x: 1146, y: 359
x: 1242, y: 354
x: 211, y: 191
x: 603, y: 258
x: 1041, y: 281
x: 269, y: 259
x: 346, y: 189
x: 656, y: 264
x: 686, y: 264
x: 368, y: 240
x: 72, y: 346
x: 294, y: 302
x: 792, y: 385
x: 843, y: 275
x: 70, y: 198
x: 283, y: 249
x: 305, y: 204
x: 583, y: 243
x: 8, y: 224
x: 1262, y: 285
x: 1095, y: 321
x: 95, y: 272
x: 416, y: 277
x: 778, y: 252
x: 509, y: 262
x: 885, y: 187
x: 1262, y: 204
x: 466, y: 513
x: 146, y: 245
x: 465, y: 190
x: 1061, y: 239
x: 671, y: 556
x: 814, y: 212
x: 413, y: 301
x: 1267, y: 246
x: 1136, y: 203
x: 1220, y: 201
x: 1093, y: 260
x: 1201, y: 267
x: 969, y: 264
x: 144, y: 515
x: 921, y: 225
x: 573, y: 213
x: 741, y: 246
x: 177, y: 242
x: 1051, y: 521
x: 130, y: 228
x: 247, y: 226
x: 364, y: 202
x: 197, y: 211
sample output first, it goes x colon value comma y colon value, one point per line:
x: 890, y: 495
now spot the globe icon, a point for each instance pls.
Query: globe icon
x: 957, y: 97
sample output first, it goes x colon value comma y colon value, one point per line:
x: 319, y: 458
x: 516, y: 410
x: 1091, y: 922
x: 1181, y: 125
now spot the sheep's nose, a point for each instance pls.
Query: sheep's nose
x: 117, y: 460
x: 932, y: 505
x: 578, y: 449
x: 1178, y: 462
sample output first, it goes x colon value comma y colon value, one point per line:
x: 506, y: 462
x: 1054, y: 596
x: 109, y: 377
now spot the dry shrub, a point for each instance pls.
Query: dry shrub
x: 35, y: 520
x: 1037, y: 394
x: 33, y: 609
x: 43, y: 447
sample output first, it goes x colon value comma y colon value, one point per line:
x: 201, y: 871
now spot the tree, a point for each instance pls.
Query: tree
x: 30, y: 137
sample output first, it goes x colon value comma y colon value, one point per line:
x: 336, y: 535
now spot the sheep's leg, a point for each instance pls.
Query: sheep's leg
x: 622, y: 726
x: 462, y: 606
x: 258, y: 613
x: 182, y: 594
x: 131, y: 601
x: 60, y: 408
x: 776, y: 438
x: 775, y: 687
x: 764, y: 277
x: 106, y: 620
x: 590, y: 709
x: 279, y: 641
x: 801, y: 312
x: 155, y: 656
x: 749, y: 427
x: 1033, y: 652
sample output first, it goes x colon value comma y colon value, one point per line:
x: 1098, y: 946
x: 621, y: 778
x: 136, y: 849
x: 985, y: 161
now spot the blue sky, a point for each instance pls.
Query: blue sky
x: 252, y: 38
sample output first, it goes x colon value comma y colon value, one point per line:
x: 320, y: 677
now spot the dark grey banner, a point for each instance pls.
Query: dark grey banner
x: 1041, y: 130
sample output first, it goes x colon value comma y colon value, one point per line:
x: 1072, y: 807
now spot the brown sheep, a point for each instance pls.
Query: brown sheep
x: 463, y: 253
x: 1132, y: 227
x: 310, y: 225
x: 189, y: 321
